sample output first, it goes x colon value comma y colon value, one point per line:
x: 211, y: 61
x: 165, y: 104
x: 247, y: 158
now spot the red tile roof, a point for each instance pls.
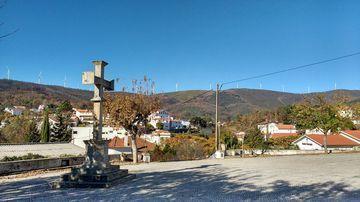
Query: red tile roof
x: 278, y: 135
x: 142, y: 144
x: 333, y: 140
x: 116, y: 142
x: 353, y: 133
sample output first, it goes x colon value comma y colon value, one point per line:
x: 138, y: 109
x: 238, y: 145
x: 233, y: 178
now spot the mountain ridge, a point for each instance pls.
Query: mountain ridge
x: 183, y: 104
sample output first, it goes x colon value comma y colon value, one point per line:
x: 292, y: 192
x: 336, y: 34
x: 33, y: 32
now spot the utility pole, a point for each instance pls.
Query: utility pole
x: 216, y: 117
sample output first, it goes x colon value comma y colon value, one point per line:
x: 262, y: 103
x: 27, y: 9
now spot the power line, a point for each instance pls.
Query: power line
x: 196, y: 97
x: 292, y: 68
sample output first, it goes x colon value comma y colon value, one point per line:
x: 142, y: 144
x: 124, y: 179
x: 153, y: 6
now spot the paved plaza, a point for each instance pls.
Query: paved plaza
x: 311, y: 177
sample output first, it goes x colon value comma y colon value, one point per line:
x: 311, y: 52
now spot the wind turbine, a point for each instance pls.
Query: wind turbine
x: 153, y: 87
x: 8, y: 73
x: 176, y: 87
x: 65, y: 81
x: 39, y: 78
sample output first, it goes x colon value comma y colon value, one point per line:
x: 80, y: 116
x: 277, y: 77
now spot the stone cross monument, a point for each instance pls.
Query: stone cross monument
x: 97, y: 79
x: 96, y: 170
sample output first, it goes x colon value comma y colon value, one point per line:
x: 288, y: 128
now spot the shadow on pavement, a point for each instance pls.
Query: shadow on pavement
x: 207, y: 182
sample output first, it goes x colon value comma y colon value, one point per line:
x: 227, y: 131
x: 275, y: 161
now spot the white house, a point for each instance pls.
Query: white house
x: 2, y: 124
x: 169, y: 122
x: 84, y: 115
x: 39, y: 109
x: 159, y: 117
x: 334, y: 142
x: 314, y: 131
x: 160, y: 114
x: 157, y: 136
x: 16, y: 110
x: 79, y: 134
x: 271, y: 128
x: 174, y: 124
x: 349, y: 113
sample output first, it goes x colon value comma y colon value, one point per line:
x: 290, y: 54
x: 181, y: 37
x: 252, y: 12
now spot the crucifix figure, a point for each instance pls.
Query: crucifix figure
x: 97, y: 78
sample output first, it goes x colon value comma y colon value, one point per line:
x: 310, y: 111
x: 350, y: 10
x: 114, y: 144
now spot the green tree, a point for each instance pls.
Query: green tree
x: 2, y: 137
x: 230, y: 141
x: 33, y: 133
x: 159, y: 125
x: 61, y: 130
x: 45, y: 128
x: 64, y: 107
x: 149, y: 128
x: 255, y: 140
x: 198, y: 122
x: 322, y: 115
x: 17, y: 129
x: 284, y: 114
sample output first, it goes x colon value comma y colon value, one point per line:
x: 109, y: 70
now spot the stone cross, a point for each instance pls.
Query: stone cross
x: 100, y: 84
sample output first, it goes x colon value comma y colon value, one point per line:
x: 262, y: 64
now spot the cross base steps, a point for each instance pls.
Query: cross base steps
x: 106, y: 179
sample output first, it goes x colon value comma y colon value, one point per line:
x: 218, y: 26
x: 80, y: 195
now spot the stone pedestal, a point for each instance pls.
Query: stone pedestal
x: 96, y: 172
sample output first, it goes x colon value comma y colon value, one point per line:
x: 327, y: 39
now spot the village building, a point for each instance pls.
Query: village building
x: 314, y: 131
x: 337, y: 141
x: 172, y: 125
x: 39, y: 109
x: 349, y: 113
x: 352, y: 134
x: 79, y: 134
x: 84, y: 115
x: 169, y: 123
x: 157, y: 136
x: 15, y: 111
x: 120, y: 147
x: 271, y: 128
x: 282, y: 135
x: 53, y: 119
x: 240, y: 136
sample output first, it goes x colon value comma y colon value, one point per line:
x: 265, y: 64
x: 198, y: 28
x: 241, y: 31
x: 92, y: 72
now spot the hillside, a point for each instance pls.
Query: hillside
x: 32, y: 94
x: 232, y: 101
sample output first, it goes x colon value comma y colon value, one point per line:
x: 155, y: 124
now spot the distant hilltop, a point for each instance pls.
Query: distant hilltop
x: 183, y: 104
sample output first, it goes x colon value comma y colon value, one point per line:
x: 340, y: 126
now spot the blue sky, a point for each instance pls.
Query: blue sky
x: 193, y: 43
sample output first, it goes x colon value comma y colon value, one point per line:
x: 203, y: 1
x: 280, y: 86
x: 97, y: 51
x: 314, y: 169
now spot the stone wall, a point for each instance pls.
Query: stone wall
x: 35, y: 164
x: 280, y: 152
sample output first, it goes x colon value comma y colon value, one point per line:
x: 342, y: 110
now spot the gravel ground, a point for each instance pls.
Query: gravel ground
x: 312, y: 177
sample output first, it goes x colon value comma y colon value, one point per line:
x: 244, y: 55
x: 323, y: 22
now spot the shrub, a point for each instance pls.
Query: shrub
x: 283, y: 142
x: 183, y: 147
x: 25, y: 157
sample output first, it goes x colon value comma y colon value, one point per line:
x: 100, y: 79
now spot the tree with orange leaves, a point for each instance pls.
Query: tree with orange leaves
x: 131, y: 111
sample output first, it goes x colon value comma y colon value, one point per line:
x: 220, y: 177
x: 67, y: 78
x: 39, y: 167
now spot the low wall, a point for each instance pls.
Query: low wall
x: 281, y: 152
x: 36, y: 164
